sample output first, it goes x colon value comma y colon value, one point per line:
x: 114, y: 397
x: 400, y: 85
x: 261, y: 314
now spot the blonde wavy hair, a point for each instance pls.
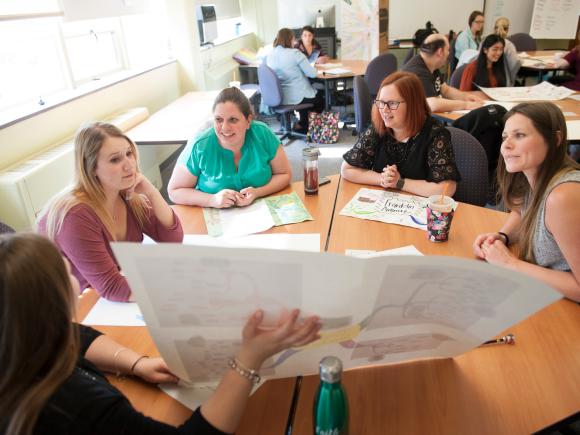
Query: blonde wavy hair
x: 87, y: 188
x: 501, y: 27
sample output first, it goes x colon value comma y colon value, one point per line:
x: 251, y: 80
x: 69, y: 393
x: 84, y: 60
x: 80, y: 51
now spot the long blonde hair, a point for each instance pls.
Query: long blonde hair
x: 548, y: 120
x: 87, y: 188
x: 39, y: 345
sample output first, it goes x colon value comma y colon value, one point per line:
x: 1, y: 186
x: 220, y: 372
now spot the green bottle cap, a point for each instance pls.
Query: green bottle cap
x: 330, y: 369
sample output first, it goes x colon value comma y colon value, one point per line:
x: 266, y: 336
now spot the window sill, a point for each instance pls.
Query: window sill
x: 221, y: 41
x: 20, y: 113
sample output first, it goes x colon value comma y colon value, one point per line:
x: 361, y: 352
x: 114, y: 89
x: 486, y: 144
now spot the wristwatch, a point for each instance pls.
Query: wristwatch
x: 400, y: 183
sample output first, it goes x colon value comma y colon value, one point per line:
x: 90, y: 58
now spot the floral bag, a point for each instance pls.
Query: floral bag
x: 323, y: 127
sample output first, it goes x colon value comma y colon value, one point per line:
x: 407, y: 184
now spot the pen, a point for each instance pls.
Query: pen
x: 506, y: 339
x: 295, y: 395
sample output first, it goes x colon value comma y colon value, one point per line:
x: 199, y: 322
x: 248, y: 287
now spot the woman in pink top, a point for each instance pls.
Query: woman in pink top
x: 110, y: 201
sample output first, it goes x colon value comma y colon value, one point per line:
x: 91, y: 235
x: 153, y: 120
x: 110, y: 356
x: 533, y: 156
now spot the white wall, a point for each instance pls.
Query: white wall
x: 153, y: 90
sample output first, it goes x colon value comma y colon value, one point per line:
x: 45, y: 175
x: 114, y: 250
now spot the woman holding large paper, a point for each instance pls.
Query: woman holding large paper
x: 233, y: 163
x: 110, y: 201
x: 404, y: 148
x: 540, y: 185
x: 52, y: 369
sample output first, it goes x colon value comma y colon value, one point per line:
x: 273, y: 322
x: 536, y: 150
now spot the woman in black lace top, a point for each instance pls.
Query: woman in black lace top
x: 52, y: 369
x: 404, y: 148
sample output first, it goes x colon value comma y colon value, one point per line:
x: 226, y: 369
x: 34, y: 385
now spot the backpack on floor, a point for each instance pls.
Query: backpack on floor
x: 323, y: 127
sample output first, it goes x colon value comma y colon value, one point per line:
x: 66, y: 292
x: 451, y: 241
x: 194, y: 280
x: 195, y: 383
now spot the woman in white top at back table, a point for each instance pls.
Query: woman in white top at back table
x: 292, y: 68
x: 512, y: 62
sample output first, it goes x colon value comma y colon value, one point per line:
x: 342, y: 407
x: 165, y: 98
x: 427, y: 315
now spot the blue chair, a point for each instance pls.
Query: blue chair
x: 471, y: 162
x: 455, y: 80
x: 272, y: 96
x: 379, y: 68
x: 362, y: 104
x: 4, y: 228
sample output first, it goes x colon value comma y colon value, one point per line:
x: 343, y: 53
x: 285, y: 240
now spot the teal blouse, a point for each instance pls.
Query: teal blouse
x: 214, y: 166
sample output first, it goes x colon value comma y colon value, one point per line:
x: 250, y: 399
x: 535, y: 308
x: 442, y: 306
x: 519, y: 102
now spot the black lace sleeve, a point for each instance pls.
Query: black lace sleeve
x: 440, y: 157
x: 362, y: 154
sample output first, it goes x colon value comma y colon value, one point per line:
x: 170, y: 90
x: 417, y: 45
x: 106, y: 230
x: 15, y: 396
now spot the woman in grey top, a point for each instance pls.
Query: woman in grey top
x: 540, y: 185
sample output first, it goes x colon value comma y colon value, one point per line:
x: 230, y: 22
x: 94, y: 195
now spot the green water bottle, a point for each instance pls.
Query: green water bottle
x: 331, y: 404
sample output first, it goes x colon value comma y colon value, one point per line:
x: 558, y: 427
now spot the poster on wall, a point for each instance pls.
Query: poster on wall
x: 360, y: 30
x: 555, y: 19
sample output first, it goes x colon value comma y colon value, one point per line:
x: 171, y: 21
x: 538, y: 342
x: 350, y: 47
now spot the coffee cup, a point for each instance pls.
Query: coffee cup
x: 440, y: 211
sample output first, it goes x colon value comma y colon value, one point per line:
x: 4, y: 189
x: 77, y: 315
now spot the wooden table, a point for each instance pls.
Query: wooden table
x: 567, y: 105
x: 495, y: 389
x: 541, y: 57
x: 356, y: 67
x: 320, y: 206
x: 179, y: 121
x: 269, y: 406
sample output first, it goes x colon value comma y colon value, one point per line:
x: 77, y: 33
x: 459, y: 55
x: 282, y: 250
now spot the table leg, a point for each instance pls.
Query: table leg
x: 327, y: 95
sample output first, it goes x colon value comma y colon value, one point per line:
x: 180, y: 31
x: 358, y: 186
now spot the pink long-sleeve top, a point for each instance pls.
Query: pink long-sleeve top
x: 85, y: 242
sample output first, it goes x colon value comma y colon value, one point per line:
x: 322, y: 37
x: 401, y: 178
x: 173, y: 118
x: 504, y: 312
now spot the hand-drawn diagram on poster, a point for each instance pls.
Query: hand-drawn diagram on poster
x: 196, y: 299
x: 262, y: 215
x: 388, y: 207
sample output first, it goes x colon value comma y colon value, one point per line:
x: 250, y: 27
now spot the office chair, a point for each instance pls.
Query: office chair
x: 362, y: 104
x: 379, y: 68
x: 272, y: 97
x: 455, y: 80
x: 4, y: 228
x: 410, y: 54
x: 523, y: 42
x: 472, y: 165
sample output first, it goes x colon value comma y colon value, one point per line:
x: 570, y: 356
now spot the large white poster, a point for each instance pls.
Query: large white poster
x: 195, y: 300
x: 555, y: 19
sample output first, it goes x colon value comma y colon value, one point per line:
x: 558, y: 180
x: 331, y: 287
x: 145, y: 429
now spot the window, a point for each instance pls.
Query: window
x: 47, y: 55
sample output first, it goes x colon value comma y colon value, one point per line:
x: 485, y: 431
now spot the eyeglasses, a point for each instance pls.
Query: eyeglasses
x: 392, y: 105
x: 479, y: 21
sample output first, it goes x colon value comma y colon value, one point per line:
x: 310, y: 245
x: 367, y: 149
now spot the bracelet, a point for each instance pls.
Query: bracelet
x: 135, y: 363
x: 117, y: 369
x: 250, y: 374
x: 507, y: 239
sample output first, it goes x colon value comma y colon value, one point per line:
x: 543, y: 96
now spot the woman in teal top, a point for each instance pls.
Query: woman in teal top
x: 233, y: 163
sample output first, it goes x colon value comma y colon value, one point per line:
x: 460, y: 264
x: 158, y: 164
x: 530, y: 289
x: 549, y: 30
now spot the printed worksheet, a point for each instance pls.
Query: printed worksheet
x: 388, y: 207
x: 260, y: 216
x: 196, y: 299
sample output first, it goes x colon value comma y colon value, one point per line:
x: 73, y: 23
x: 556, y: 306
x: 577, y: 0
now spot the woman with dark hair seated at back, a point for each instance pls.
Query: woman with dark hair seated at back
x: 404, y: 148
x: 233, y: 163
x: 52, y: 369
x: 308, y: 45
x: 293, y: 69
x: 488, y: 70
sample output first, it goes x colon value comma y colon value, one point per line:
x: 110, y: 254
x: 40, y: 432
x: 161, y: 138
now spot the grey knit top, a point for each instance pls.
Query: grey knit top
x: 546, y: 250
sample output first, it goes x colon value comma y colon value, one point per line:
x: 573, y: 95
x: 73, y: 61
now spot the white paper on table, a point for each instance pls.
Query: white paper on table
x: 404, y: 250
x: 196, y: 300
x: 292, y: 242
x: 575, y: 97
x: 336, y: 71
x: 241, y: 221
x: 569, y: 114
x: 573, y: 128
x: 109, y: 313
x: 541, y: 92
x: 329, y: 65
